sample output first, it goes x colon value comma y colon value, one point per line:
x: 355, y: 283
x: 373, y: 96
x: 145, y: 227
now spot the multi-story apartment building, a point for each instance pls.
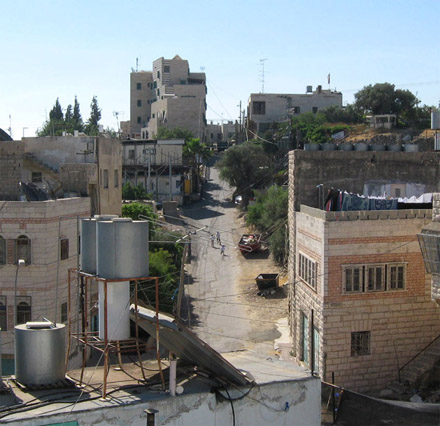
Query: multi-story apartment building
x: 266, y: 108
x: 359, y: 297
x: 169, y: 96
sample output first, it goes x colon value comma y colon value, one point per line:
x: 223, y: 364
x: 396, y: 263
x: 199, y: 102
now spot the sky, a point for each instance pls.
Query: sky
x: 56, y: 49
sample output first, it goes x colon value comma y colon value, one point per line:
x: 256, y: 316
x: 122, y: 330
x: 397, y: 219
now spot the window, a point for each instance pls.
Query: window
x: 64, y: 249
x: 3, y: 314
x: 131, y: 154
x: 375, y: 278
x: 23, y: 249
x: 315, y: 110
x: 138, y: 86
x: 24, y: 309
x: 116, y: 178
x: 396, y: 277
x: 2, y: 251
x: 166, y: 68
x: 360, y: 343
x: 397, y: 192
x: 37, y: 177
x: 296, y: 110
x: 259, y: 108
x: 158, y: 74
x: 139, y: 103
x: 353, y: 280
x: 105, y: 178
x: 139, y: 119
x: 63, y: 312
x: 307, y: 270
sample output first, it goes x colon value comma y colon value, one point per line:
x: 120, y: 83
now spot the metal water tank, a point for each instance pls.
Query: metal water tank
x: 122, y: 248
x: 118, y: 310
x: 40, y: 353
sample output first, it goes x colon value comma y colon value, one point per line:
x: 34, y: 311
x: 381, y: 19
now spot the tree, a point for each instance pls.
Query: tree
x: 245, y: 167
x: 195, y: 153
x: 56, y: 113
x: 383, y: 98
x: 131, y: 192
x: 268, y: 215
x: 77, y: 119
x: 92, y: 128
x: 176, y: 133
x: 69, y: 115
x: 337, y: 114
x: 133, y: 210
x: 56, y: 124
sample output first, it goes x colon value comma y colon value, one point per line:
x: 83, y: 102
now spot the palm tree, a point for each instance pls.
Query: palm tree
x: 196, y: 154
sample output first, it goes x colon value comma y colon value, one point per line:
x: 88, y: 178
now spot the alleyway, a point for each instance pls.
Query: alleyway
x: 221, y: 304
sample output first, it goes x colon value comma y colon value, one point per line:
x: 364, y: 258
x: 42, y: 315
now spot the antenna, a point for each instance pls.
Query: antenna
x: 137, y: 64
x: 262, y: 74
x: 202, y: 68
x: 10, y: 126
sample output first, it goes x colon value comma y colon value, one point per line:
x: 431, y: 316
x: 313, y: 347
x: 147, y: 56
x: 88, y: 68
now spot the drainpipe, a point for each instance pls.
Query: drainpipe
x: 173, y: 365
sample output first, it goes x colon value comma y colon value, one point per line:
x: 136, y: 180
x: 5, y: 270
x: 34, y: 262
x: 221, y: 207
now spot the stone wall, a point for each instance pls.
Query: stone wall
x: 42, y: 222
x: 11, y: 166
x: 350, y: 170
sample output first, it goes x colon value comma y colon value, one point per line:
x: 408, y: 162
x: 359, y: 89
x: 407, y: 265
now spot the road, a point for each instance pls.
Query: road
x: 220, y: 303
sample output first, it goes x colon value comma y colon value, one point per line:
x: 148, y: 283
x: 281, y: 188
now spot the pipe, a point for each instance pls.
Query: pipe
x: 173, y: 369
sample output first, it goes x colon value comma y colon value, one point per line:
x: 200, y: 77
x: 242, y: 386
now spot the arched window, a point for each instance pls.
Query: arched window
x: 24, y: 309
x: 23, y: 249
x: 2, y: 251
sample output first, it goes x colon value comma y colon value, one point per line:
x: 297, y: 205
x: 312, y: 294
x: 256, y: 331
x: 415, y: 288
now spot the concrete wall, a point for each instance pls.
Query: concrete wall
x: 351, y: 170
x: 263, y: 406
x: 401, y: 322
x: 54, y: 150
x: 40, y: 222
x: 11, y: 167
x: 109, y: 152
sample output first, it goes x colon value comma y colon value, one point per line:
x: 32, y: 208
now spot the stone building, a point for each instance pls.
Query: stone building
x: 266, y: 108
x: 43, y: 234
x: 75, y: 166
x: 169, y: 96
x: 359, y: 298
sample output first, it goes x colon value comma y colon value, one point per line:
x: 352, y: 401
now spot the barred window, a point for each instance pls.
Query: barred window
x: 307, y: 270
x: 353, y: 280
x: 2, y: 251
x: 360, y: 343
x: 3, y: 314
x: 373, y: 277
x: 24, y: 309
x: 396, y: 277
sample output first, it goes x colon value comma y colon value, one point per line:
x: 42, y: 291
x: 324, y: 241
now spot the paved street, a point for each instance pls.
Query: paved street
x: 221, y: 304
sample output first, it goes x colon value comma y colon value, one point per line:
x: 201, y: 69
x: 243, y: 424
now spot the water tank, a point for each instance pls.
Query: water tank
x: 309, y: 89
x: 40, y: 353
x: 88, y: 242
x: 435, y: 120
x: 118, y: 310
x: 122, y: 248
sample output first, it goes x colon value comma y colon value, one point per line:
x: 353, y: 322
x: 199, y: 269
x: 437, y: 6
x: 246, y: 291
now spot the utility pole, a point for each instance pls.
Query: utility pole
x: 170, y: 178
x: 262, y: 74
